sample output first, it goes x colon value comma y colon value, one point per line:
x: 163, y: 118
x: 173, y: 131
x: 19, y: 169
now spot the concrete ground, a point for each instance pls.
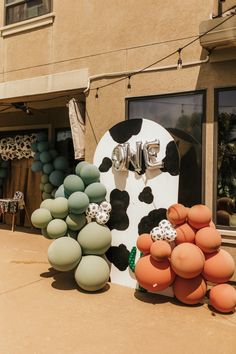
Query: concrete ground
x: 42, y: 311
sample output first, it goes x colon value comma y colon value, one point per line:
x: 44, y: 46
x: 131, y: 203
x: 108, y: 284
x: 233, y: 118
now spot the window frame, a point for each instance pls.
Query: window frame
x: 204, y: 104
x: 228, y: 230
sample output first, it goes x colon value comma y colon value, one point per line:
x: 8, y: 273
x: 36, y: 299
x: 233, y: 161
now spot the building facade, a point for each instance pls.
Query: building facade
x: 172, y: 62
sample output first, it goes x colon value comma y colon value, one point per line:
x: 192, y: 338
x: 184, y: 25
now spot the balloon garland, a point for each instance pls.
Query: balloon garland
x: 76, y: 220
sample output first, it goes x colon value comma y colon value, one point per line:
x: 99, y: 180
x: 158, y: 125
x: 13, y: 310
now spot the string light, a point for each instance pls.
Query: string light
x: 180, y: 61
x: 96, y: 96
x: 129, y: 84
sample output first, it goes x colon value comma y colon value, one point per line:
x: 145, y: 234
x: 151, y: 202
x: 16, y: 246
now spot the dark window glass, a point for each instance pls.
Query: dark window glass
x: 226, y: 159
x: 182, y: 115
x: 64, y: 146
x: 18, y: 10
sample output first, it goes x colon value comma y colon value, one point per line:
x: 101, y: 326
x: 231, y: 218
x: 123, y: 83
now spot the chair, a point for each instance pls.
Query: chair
x: 19, y: 197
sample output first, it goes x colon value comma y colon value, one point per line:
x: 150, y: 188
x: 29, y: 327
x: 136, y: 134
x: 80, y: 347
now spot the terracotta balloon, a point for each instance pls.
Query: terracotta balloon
x: 144, y: 242
x: 219, y: 266
x: 199, y: 216
x: 152, y: 275
x: 208, y: 239
x: 185, y: 233
x: 187, y: 260
x: 160, y: 249
x: 223, y: 297
x: 176, y: 214
x: 190, y: 291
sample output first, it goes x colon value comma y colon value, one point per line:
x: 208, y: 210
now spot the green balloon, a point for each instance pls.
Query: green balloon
x: 59, y: 208
x: 44, y: 179
x: 45, y: 157
x: 96, y: 192
x: 48, y: 188
x: 78, y: 202
x: 53, y: 193
x: 47, y: 204
x: 92, y: 273
x: 41, y: 187
x: 89, y: 174
x: 61, y: 163
x: 45, y: 234
x: 73, y: 234
x: 56, y: 228
x: 42, y: 136
x: 3, y: 172
x: 36, y: 166
x: 79, y: 166
x: 64, y: 254
x: 56, y: 177
x: 73, y: 183
x: 76, y: 221
x: 53, y: 153
x: 41, y: 217
x: 48, y: 168
x: 37, y: 156
x: 94, y: 238
x: 60, y: 192
x: 34, y: 146
x: 42, y: 146
x: 46, y: 195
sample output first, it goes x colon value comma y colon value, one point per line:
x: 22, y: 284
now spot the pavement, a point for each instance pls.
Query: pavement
x: 42, y: 311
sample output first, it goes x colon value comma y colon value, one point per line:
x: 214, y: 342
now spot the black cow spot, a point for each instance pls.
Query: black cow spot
x: 105, y: 165
x: 119, y: 256
x: 118, y: 218
x: 146, y: 195
x: 148, y: 222
x: 123, y: 131
x: 171, y: 160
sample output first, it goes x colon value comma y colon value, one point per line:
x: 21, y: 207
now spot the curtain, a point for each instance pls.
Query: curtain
x: 22, y: 178
x: 77, y: 127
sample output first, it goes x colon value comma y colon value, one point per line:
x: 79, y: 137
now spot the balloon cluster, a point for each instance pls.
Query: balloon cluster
x: 48, y: 161
x: 76, y: 220
x: 190, y: 262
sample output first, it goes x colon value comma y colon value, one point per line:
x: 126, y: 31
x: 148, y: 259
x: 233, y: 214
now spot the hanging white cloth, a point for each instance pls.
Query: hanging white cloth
x: 77, y: 128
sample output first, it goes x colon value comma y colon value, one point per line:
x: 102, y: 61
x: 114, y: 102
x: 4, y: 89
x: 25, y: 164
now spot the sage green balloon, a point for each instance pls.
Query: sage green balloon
x: 56, y: 177
x: 36, y: 166
x: 64, y: 254
x: 48, y: 188
x: 44, y: 233
x: 48, y: 168
x: 78, y: 202
x: 60, y: 192
x: 46, y: 195
x: 53, y: 153
x: 60, y: 163
x: 79, y: 166
x: 34, y: 146
x: 94, y: 238
x: 44, y: 179
x: 42, y: 136
x: 59, y: 208
x: 96, y: 192
x: 89, y: 173
x: 76, y: 221
x: 41, y: 217
x: 45, y: 157
x: 72, y: 233
x: 73, y: 183
x: 37, y: 156
x: 92, y: 273
x: 42, y: 146
x: 56, y: 228
x: 47, y: 204
x: 41, y: 187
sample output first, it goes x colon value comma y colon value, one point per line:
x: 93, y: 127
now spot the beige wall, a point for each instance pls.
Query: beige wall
x: 112, y: 36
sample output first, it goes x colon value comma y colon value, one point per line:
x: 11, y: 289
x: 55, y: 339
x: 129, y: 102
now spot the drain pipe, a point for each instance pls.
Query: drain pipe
x: 133, y: 72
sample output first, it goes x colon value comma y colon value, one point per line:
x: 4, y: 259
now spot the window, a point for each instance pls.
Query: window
x: 226, y: 158
x: 182, y: 115
x: 18, y: 10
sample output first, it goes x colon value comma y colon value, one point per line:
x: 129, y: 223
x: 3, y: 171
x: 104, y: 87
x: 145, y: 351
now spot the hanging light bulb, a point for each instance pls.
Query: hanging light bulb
x: 179, y: 62
x: 96, y: 96
x: 129, y: 84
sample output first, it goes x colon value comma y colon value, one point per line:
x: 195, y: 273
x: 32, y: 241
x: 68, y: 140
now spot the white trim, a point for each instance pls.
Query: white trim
x: 69, y: 80
x: 32, y: 23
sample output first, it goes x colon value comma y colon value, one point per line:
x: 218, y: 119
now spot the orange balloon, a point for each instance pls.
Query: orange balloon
x: 176, y: 214
x: 185, y: 233
x: 223, y: 297
x: 144, y: 243
x: 152, y: 275
x: 199, y: 216
x: 219, y: 266
x: 208, y: 239
x: 190, y: 291
x: 160, y: 249
x: 187, y: 260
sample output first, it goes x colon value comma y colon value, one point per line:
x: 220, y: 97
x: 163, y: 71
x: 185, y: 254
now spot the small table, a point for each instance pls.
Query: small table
x: 9, y: 206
